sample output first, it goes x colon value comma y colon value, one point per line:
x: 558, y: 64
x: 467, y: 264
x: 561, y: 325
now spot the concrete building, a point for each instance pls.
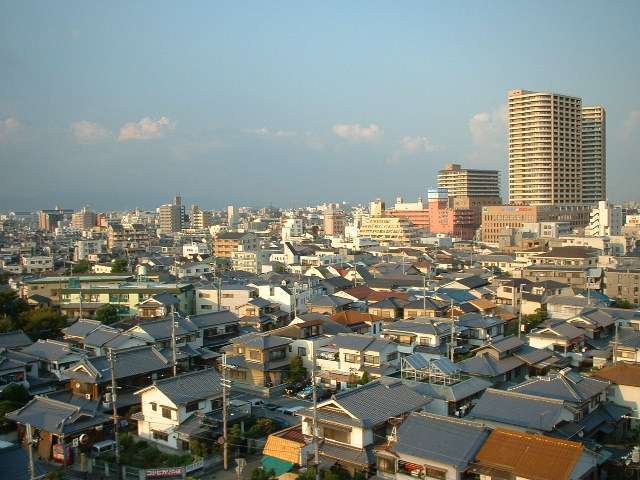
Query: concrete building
x: 83, y: 220
x: 389, y: 230
x: 605, y: 219
x: 333, y: 222
x: 471, y: 188
x: 545, y: 148
x: 623, y: 284
x: 228, y: 242
x: 292, y: 229
x: 232, y: 216
x: 171, y: 216
x: 200, y: 219
x: 49, y: 220
x: 594, y: 154
x: 416, y: 212
x: 134, y: 236
x: 447, y: 220
x: 83, y: 248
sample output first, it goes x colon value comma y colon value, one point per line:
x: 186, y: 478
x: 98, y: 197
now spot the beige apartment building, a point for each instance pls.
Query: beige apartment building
x: 594, y: 154
x: 228, y: 242
x: 471, y: 188
x: 623, y: 284
x: 545, y: 148
x: 83, y: 220
x: 394, y: 230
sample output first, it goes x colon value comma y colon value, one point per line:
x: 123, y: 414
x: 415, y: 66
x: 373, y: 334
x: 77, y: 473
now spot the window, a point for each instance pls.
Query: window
x: 351, y: 358
x: 302, y: 351
x: 386, y: 465
x: 166, y: 412
x: 337, y: 435
x: 216, y: 403
x: 392, y: 356
x: 255, y: 355
x: 206, y: 307
x: 192, y: 406
x: 160, y: 436
x: 154, y: 406
x: 372, y: 359
x: 277, y: 355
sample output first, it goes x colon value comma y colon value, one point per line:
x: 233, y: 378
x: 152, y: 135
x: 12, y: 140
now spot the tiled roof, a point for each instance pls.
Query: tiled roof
x: 14, y: 339
x: 189, y: 387
x: 564, y: 385
x: 530, y: 456
x: 621, y: 374
x: 437, y: 438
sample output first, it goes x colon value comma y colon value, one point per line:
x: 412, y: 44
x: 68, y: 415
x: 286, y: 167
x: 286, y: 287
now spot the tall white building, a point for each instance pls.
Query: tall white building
x: 605, y: 220
x: 545, y: 148
x: 292, y: 229
x: 594, y: 154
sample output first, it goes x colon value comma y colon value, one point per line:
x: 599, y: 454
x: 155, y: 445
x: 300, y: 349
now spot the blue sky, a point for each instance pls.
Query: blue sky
x: 123, y: 104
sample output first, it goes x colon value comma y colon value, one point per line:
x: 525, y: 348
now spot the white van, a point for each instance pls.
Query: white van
x: 102, y: 447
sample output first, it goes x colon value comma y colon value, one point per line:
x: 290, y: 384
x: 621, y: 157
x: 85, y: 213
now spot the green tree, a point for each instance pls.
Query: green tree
x: 621, y: 303
x: 43, y: 322
x: 107, y: 314
x: 11, y: 307
x: 16, y: 393
x: 82, y: 266
x: 297, y: 371
x: 4, y: 277
x: 260, y: 473
x: 365, y: 378
x: 120, y: 265
x: 535, y: 319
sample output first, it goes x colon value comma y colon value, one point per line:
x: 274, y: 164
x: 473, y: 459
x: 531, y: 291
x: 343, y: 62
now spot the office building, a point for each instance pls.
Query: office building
x: 83, y: 220
x: 333, y: 222
x: 200, y: 219
x: 594, y: 154
x: 171, y: 216
x: 545, y: 148
x: 605, y: 220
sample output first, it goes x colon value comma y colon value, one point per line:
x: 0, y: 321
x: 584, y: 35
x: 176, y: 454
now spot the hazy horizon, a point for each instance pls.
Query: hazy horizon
x: 120, y: 104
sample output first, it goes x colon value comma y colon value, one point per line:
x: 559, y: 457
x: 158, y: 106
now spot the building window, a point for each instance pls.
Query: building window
x: 342, y: 436
x: 351, y: 358
x: 191, y: 406
x: 392, y: 356
x: 255, y: 355
x: 154, y: 406
x: 166, y: 412
x: 160, y: 436
x: 277, y: 355
x: 302, y: 352
x: 372, y: 359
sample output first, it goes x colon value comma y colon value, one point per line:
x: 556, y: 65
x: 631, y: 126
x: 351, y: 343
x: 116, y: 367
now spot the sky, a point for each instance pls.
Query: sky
x: 119, y: 105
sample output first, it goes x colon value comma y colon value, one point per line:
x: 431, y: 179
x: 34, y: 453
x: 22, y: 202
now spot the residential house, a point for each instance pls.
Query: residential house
x: 561, y: 337
x: 231, y: 297
x: 343, y: 361
x: 425, y: 307
x: 390, y: 307
x: 328, y: 304
x: 97, y: 339
x: 430, y: 446
x: 158, y: 306
x: 525, y: 456
x: 135, y: 367
x: 178, y: 409
x: 351, y: 423
x: 58, y: 426
x: 13, y: 340
x: 478, y: 329
x: 360, y: 322
x: 258, y: 362
x: 625, y: 385
x: 53, y: 356
x: 429, y: 336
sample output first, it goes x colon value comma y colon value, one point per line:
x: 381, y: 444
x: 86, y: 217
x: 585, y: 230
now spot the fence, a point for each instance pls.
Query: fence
x: 108, y: 469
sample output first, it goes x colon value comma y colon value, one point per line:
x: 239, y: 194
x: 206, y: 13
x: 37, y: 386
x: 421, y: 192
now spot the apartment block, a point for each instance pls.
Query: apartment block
x: 545, y: 148
x: 623, y: 284
x: 594, y: 154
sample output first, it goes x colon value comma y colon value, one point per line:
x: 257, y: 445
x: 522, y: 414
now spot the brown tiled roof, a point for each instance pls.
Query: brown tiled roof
x: 482, y: 303
x: 621, y: 373
x: 536, y: 457
x: 352, y: 317
x: 285, y: 444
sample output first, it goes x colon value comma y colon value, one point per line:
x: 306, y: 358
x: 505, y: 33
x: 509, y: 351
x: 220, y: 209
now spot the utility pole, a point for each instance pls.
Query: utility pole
x: 316, y: 447
x: 219, y: 293
x: 32, y: 467
x: 615, y: 345
x: 114, y: 396
x: 453, y: 334
x: 225, y: 395
x: 520, y: 313
x: 174, y: 361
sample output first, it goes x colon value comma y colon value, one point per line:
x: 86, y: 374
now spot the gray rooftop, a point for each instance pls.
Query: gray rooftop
x: 565, y: 385
x: 189, y: 387
x: 448, y: 440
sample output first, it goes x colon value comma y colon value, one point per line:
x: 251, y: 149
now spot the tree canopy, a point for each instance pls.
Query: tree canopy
x: 119, y: 265
x: 107, y: 314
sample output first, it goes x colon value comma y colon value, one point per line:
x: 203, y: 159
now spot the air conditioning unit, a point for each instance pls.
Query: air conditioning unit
x: 87, y: 396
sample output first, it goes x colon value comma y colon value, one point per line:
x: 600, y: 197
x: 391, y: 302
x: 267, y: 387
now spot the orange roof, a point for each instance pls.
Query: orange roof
x: 505, y: 314
x: 376, y: 296
x: 285, y: 444
x: 536, y: 457
x: 621, y: 374
x: 353, y: 317
x: 482, y: 303
x: 360, y: 292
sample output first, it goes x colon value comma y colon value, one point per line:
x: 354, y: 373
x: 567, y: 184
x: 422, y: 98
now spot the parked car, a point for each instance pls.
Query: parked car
x: 290, y: 410
x: 256, y: 402
x: 271, y: 406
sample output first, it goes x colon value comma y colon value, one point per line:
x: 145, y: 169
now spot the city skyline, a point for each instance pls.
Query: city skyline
x: 253, y: 106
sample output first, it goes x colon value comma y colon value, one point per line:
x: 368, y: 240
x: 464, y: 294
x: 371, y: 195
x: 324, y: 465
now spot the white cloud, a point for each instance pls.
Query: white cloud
x: 631, y: 124
x: 356, y: 132
x: 267, y: 132
x: 8, y: 128
x: 489, y: 129
x: 412, y: 146
x: 146, y: 129
x: 86, y: 132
